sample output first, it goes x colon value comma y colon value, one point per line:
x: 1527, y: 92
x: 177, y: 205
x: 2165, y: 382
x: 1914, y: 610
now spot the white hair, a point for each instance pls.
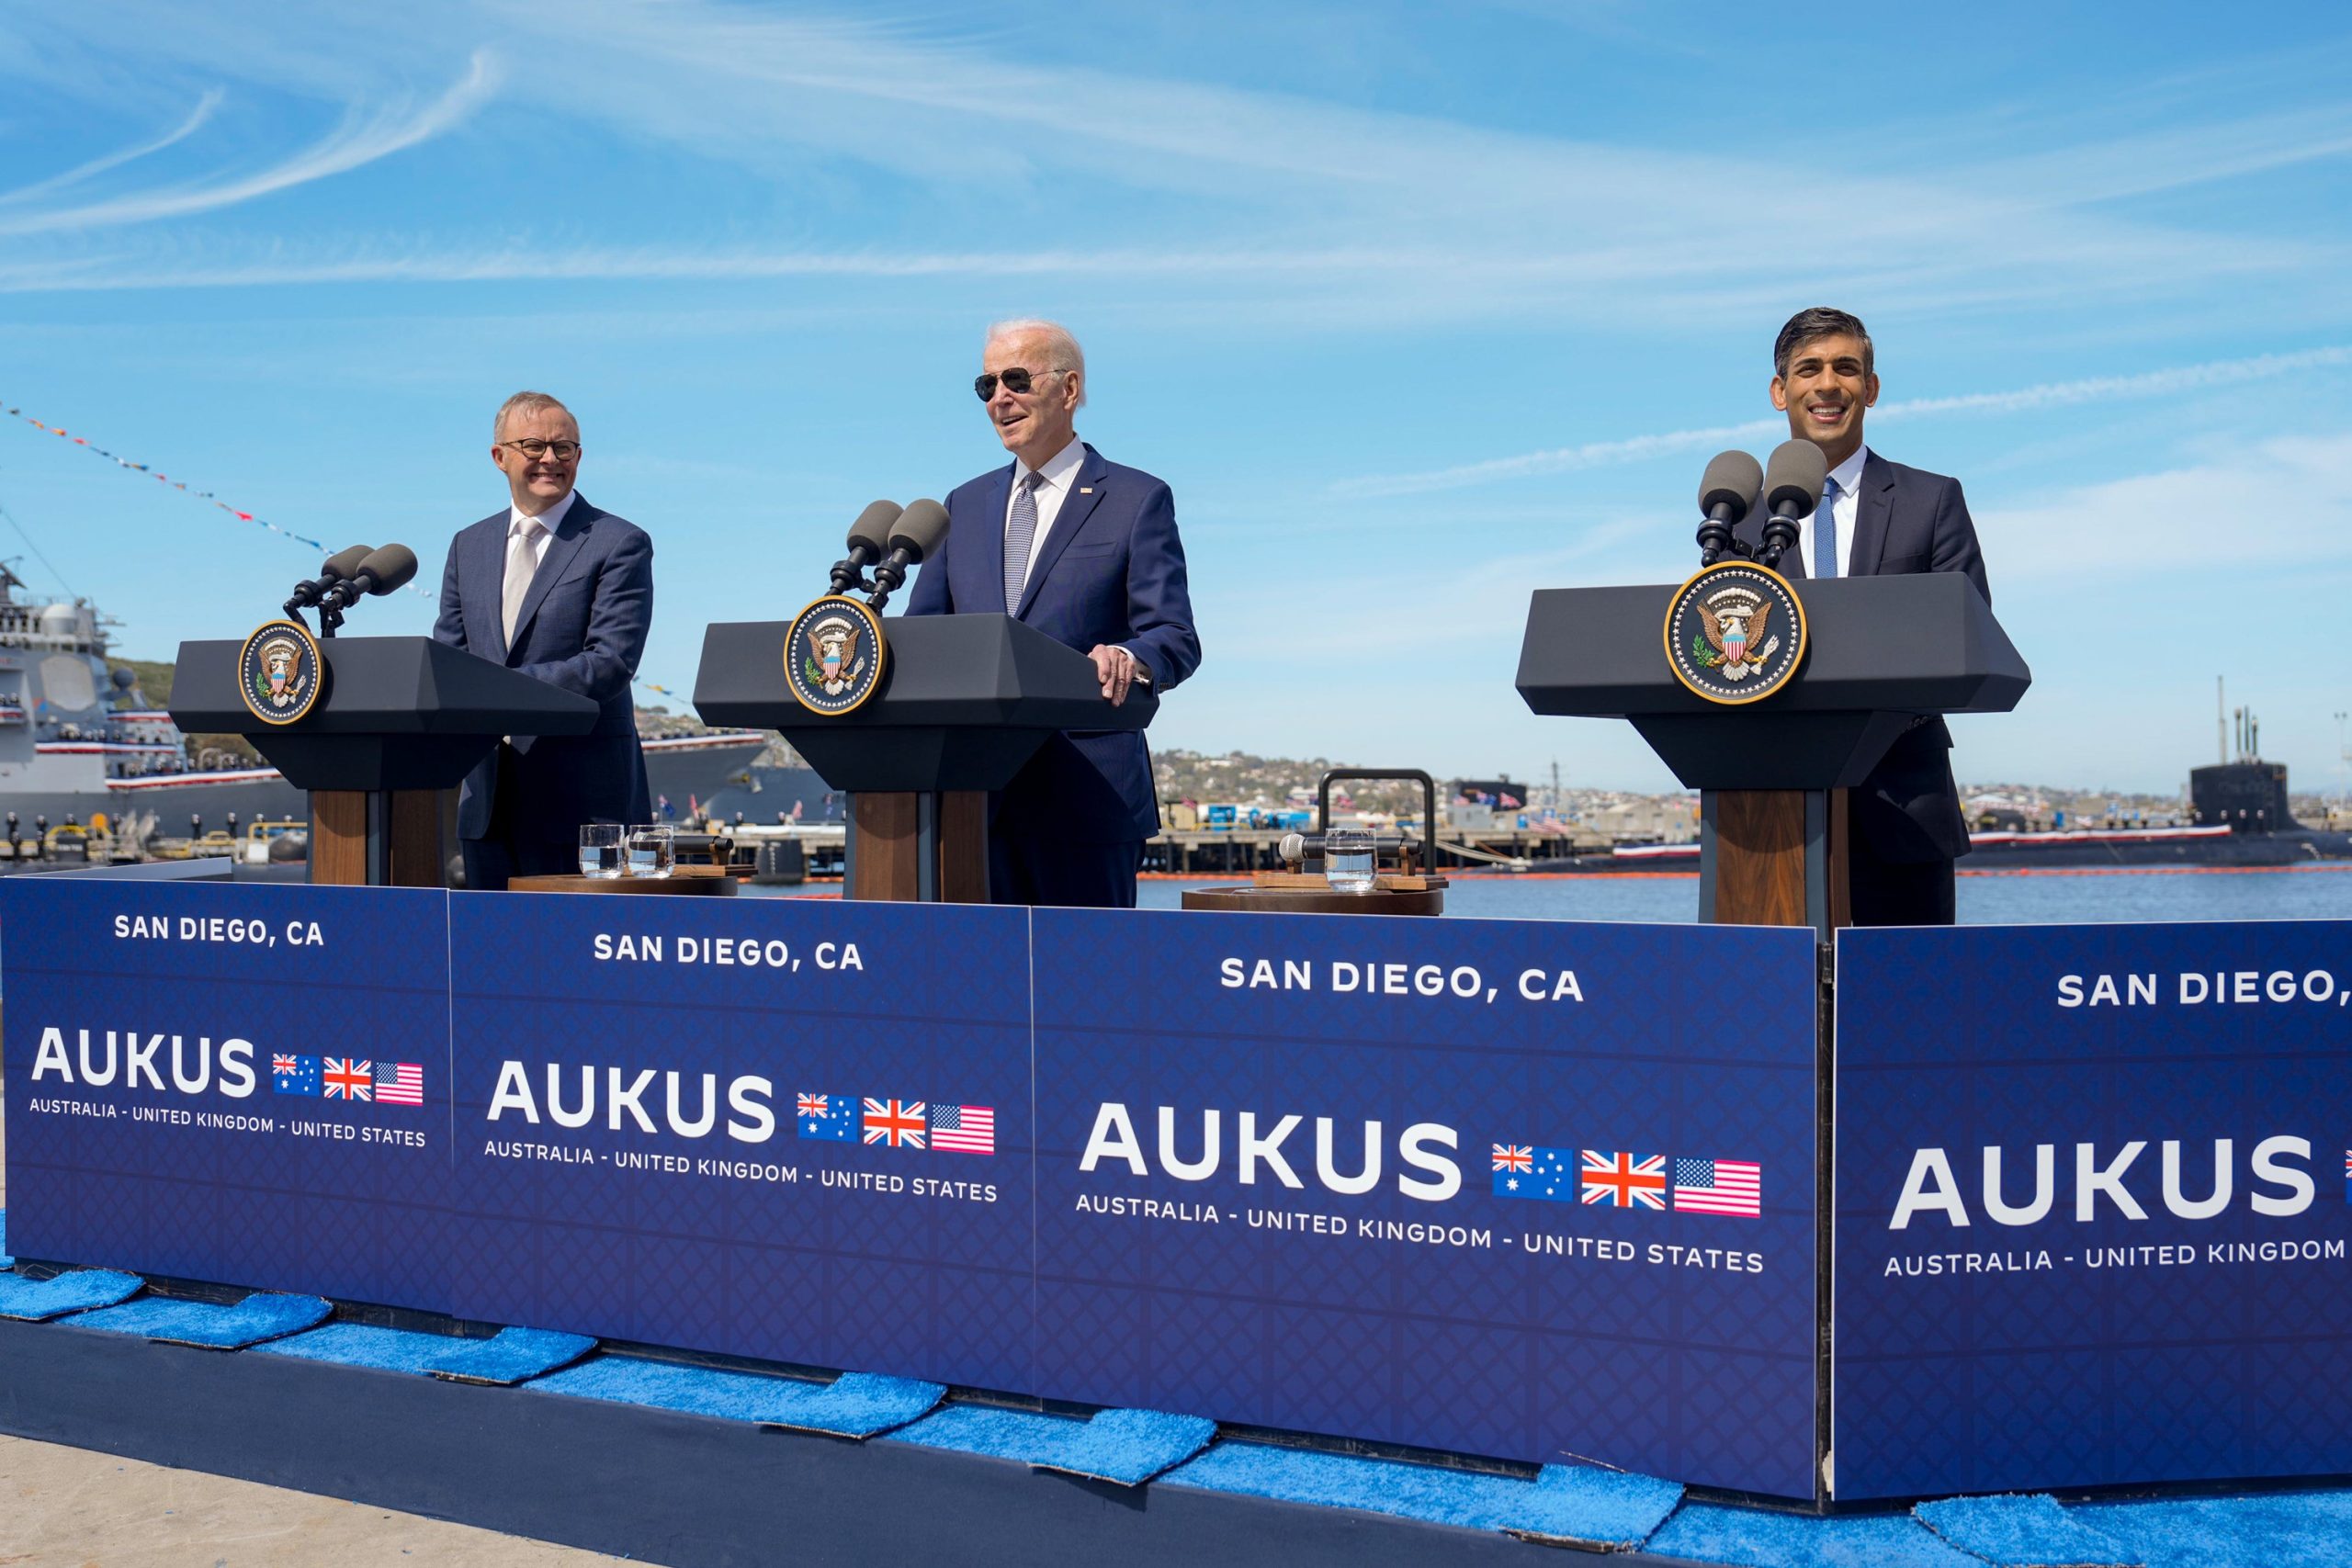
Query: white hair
x: 1061, y: 347
x: 526, y: 402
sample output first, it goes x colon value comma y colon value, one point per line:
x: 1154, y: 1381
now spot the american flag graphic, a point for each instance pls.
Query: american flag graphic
x: 400, y: 1083
x: 1514, y: 1156
x: 2347, y: 1176
x: 896, y: 1122
x: 349, y: 1080
x: 964, y: 1129
x: 1719, y: 1187
x: 1624, y: 1180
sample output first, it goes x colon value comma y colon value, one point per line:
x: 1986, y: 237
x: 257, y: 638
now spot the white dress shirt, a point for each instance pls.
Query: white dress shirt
x: 1056, y: 478
x: 1849, y: 475
x: 549, y: 522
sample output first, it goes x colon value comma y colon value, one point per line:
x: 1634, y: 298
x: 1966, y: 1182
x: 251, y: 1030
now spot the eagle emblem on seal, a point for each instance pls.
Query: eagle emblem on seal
x: 1732, y: 622
x: 833, y: 662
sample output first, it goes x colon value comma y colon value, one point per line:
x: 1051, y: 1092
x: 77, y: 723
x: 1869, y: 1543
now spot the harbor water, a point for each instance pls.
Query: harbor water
x: 2322, y: 892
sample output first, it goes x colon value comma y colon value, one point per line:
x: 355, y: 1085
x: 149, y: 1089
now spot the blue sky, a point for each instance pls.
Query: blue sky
x: 1418, y: 308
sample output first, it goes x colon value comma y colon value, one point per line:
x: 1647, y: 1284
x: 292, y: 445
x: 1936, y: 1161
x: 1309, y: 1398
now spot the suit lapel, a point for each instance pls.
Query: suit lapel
x: 1873, y: 511
x: 560, y: 549
x: 1086, y: 494
x: 989, y: 539
x: 486, y: 568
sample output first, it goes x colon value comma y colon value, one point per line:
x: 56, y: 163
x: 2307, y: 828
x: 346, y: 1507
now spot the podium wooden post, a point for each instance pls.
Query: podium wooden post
x: 926, y: 846
x: 399, y: 838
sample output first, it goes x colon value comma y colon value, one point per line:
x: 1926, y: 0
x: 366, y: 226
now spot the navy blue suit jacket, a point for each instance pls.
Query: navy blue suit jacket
x: 581, y: 628
x: 1907, y: 520
x: 1111, y: 571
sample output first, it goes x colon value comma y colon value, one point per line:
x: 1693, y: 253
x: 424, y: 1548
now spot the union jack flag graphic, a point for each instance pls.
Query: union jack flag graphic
x: 895, y: 1123
x: 810, y: 1105
x: 1514, y: 1156
x: 1625, y: 1181
x: 346, y: 1079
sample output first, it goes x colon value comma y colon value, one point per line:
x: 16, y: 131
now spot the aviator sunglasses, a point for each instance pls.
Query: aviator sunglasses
x: 1016, y: 380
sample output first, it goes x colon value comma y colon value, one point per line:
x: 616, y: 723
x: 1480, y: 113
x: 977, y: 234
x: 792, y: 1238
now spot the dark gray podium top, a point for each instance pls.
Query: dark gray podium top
x: 396, y: 713
x: 965, y: 701
x: 1879, y: 651
x: 384, y: 685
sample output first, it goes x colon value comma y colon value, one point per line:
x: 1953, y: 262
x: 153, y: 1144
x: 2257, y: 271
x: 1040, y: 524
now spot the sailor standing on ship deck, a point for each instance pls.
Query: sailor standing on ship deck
x: 562, y: 592
x: 1086, y: 552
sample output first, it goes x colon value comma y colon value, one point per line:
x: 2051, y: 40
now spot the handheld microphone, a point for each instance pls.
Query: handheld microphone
x: 1727, y: 492
x: 1793, y: 482
x: 383, y: 571
x: 869, y: 536
x: 335, y: 567
x: 914, y: 535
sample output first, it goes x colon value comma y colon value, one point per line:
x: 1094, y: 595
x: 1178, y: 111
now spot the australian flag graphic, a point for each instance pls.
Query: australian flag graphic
x: 830, y: 1118
x: 294, y: 1075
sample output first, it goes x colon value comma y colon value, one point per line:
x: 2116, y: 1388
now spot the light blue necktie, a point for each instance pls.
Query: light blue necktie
x: 1825, y: 533
x: 1020, y: 533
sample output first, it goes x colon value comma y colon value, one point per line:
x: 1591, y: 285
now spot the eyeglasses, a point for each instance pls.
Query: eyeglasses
x: 1016, y: 380
x: 535, y: 449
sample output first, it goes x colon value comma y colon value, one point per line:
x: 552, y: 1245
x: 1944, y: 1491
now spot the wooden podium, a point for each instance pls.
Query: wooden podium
x: 1773, y: 775
x: 401, y: 722
x: 966, y: 701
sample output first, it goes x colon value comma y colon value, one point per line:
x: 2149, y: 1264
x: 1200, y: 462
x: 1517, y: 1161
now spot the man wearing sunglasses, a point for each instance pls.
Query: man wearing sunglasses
x: 553, y: 587
x: 1086, y: 552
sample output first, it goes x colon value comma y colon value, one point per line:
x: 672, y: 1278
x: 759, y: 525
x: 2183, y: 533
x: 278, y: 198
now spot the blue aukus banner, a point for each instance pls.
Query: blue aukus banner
x: 2092, y: 1206
x: 246, y: 1084
x: 1525, y: 1188
x: 779, y: 1128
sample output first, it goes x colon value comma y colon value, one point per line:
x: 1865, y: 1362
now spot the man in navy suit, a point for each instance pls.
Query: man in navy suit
x: 1877, y: 518
x: 552, y: 587
x: 1086, y: 551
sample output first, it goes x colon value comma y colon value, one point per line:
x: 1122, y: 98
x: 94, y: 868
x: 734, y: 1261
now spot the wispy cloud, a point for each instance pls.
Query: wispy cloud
x: 362, y: 139
x: 2051, y: 394
x: 80, y: 172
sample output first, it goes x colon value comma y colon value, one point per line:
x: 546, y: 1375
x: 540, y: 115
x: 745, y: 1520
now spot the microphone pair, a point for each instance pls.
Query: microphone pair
x: 892, y: 539
x: 1790, y: 484
x: 348, y: 576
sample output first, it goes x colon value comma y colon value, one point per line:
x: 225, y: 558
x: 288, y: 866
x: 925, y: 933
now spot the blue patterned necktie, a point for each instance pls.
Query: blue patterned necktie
x: 1825, y: 533
x: 1020, y: 533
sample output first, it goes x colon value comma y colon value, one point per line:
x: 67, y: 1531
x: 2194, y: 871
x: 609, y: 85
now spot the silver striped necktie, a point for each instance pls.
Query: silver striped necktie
x: 1825, y: 533
x: 1020, y: 533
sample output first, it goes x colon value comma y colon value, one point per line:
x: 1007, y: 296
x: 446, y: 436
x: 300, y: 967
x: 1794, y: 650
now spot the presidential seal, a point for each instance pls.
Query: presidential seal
x: 833, y: 655
x: 1735, y: 633
x: 279, y: 672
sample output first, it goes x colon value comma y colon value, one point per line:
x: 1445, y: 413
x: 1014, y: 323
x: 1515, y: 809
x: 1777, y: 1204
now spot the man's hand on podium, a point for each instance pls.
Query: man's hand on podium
x: 1117, y: 669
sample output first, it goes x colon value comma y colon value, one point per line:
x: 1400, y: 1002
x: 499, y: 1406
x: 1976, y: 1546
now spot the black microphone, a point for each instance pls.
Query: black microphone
x: 1727, y: 492
x: 381, y: 572
x: 915, y: 534
x: 868, y: 538
x: 1793, y: 482
x: 334, y: 571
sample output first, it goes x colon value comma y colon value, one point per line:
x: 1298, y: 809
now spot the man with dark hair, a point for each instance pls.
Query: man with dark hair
x: 559, y: 590
x: 1878, y: 518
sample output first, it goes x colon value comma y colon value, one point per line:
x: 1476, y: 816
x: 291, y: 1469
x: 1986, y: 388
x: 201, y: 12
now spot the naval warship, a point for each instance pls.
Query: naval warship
x: 80, y: 741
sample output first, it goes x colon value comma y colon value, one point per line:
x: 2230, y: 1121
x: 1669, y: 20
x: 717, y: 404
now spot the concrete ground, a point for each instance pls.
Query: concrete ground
x: 63, y: 1508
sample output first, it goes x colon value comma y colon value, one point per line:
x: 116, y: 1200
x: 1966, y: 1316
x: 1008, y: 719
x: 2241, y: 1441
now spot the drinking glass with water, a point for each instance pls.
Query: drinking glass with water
x: 653, y: 850
x: 600, y: 850
x: 1348, y: 859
